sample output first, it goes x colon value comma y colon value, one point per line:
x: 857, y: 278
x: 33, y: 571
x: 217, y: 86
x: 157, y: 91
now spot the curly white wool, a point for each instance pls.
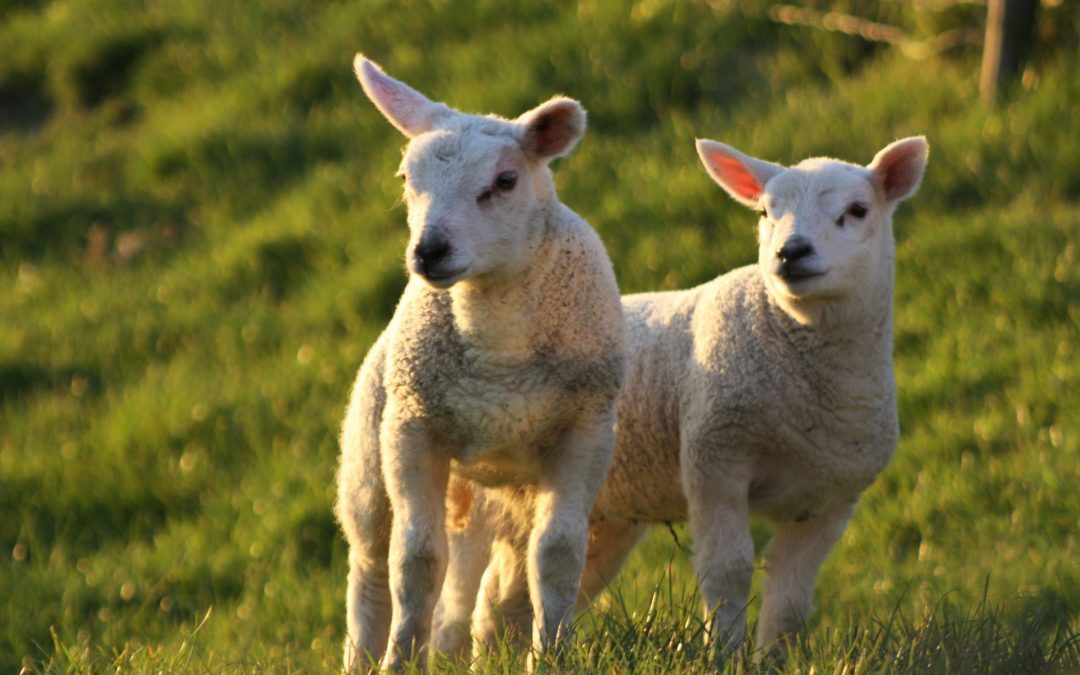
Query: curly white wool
x: 767, y: 391
x: 502, y: 363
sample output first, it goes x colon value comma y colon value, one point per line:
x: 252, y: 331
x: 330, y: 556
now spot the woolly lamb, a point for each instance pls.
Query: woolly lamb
x: 502, y: 364
x: 767, y: 391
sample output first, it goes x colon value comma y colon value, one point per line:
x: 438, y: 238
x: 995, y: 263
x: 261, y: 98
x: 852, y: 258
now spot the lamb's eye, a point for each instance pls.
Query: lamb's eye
x: 505, y: 181
x: 763, y: 213
x: 856, y: 210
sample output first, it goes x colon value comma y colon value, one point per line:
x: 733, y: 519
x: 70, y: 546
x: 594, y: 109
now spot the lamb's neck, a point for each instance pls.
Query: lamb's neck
x: 499, y: 315
x: 846, y: 338
x: 494, y: 319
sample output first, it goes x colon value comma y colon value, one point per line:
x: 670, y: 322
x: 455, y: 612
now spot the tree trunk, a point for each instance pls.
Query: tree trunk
x: 1009, y: 27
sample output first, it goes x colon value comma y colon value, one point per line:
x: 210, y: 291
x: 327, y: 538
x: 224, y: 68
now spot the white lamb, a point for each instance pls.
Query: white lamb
x: 767, y: 391
x: 502, y: 363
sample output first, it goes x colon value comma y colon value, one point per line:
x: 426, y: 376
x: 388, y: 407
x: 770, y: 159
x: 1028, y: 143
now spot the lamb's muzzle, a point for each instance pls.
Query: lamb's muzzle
x: 430, y: 258
x: 795, y: 260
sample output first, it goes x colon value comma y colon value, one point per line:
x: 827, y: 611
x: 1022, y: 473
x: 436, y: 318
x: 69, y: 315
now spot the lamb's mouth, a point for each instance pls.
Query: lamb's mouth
x: 797, y: 278
x: 441, y: 279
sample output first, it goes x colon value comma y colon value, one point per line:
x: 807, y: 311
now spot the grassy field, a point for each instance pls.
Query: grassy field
x: 200, y: 236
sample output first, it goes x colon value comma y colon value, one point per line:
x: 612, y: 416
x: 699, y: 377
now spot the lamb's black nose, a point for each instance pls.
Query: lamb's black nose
x: 430, y: 252
x: 794, y: 249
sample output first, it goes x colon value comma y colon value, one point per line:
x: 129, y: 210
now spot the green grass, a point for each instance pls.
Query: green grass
x: 200, y: 236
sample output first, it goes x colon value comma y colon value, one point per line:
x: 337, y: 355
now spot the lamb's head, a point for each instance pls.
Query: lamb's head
x: 477, y: 187
x: 825, y: 228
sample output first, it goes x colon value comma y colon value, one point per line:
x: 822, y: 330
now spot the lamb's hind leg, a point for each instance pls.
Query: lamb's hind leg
x: 792, y: 563
x: 503, y: 610
x: 610, y: 544
x: 367, y: 601
x: 469, y: 536
x: 363, y: 509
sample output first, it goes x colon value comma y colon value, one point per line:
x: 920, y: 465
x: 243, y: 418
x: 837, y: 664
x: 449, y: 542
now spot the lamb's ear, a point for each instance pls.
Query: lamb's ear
x: 899, y: 168
x: 741, y: 176
x: 407, y: 109
x: 552, y: 129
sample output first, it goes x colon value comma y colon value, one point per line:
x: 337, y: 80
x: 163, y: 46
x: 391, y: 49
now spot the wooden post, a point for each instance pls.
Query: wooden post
x: 1009, y: 26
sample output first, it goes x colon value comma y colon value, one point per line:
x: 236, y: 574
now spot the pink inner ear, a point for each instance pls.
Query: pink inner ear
x: 552, y: 129
x: 396, y: 101
x: 385, y: 91
x: 898, y: 169
x: 550, y: 133
x: 896, y: 174
x: 405, y: 108
x: 734, y: 176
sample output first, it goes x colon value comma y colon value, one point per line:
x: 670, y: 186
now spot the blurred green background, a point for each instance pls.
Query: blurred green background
x: 201, y: 235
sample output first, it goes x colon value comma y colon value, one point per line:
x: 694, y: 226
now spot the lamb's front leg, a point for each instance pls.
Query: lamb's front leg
x: 792, y: 563
x: 560, y: 534
x: 416, y: 480
x: 723, y: 549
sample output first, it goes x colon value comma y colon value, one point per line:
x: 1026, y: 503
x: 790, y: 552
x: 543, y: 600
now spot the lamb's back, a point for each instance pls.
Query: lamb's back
x: 643, y: 482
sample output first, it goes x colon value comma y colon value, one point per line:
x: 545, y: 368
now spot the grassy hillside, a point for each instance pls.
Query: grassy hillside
x: 200, y: 236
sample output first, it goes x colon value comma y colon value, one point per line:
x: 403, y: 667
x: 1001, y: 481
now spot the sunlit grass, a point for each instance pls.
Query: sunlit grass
x: 668, y: 635
x: 201, y: 234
